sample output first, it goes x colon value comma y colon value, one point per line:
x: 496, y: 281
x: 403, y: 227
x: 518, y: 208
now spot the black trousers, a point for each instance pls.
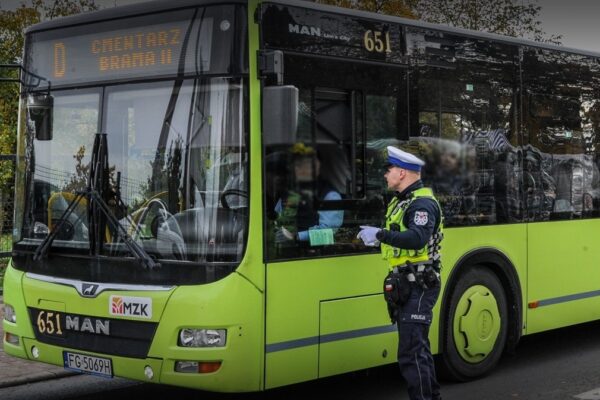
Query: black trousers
x: 414, y: 352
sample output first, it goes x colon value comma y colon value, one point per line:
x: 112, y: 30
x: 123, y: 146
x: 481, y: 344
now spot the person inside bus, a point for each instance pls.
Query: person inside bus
x: 447, y: 179
x: 312, y: 186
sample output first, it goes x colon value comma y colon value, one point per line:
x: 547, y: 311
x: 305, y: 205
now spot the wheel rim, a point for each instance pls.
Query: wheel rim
x: 476, y: 324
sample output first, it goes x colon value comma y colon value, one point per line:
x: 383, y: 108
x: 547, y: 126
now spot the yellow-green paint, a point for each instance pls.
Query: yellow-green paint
x: 309, y: 299
x: 301, y: 297
x: 352, y: 315
x: 64, y: 298
x: 476, y: 324
x: 309, y: 305
x: 13, y: 295
x: 564, y: 260
x: 211, y: 306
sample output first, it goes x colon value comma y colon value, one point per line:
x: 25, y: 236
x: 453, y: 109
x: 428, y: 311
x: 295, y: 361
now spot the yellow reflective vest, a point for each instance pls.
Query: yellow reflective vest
x: 395, y: 215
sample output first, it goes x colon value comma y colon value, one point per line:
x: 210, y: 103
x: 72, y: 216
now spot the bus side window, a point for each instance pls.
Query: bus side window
x: 561, y: 125
x: 463, y: 124
x: 320, y: 189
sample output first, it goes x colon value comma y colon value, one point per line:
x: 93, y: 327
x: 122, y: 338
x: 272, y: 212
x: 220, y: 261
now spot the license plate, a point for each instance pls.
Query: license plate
x: 88, y: 364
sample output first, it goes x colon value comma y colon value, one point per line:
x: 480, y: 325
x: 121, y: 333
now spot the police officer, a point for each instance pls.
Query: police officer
x: 410, y: 242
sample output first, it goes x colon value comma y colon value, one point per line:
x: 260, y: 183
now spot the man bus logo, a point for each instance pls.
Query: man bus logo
x: 304, y: 30
x: 124, y: 306
x: 89, y: 289
x: 88, y: 324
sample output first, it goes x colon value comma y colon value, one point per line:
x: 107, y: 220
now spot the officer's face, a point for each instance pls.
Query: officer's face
x: 394, y: 177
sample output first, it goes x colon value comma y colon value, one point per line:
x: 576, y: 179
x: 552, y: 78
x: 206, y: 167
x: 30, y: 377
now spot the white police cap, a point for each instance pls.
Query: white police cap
x: 402, y: 159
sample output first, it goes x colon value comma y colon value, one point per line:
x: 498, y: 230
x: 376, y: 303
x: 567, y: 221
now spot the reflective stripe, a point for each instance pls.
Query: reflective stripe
x: 567, y: 298
x: 332, y: 337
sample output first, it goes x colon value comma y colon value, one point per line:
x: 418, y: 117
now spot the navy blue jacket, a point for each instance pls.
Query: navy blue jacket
x: 418, y: 232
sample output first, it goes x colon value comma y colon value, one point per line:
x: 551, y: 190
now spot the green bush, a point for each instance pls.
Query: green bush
x: 3, y: 264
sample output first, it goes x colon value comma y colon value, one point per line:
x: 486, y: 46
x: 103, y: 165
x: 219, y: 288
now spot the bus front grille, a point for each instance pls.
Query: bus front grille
x: 111, y: 336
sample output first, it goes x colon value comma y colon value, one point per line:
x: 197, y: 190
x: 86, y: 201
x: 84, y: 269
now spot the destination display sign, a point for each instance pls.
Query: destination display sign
x: 316, y: 32
x: 143, y: 50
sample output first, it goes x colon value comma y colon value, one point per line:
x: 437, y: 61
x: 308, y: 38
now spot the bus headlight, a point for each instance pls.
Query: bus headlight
x: 9, y: 314
x: 190, y: 337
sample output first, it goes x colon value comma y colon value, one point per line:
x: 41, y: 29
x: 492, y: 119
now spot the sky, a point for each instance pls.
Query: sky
x: 575, y: 20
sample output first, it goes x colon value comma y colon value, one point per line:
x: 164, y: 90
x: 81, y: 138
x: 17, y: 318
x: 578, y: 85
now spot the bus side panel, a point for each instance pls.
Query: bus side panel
x: 334, y: 302
x: 295, y: 291
x: 13, y: 295
x: 355, y: 332
x: 563, y: 273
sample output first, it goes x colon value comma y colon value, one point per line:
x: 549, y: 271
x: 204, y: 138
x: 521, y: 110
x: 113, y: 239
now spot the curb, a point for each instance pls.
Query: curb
x: 31, y: 378
x: 41, y: 376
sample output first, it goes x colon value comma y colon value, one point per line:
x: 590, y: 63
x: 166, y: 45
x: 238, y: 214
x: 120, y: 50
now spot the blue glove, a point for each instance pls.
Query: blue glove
x: 368, y: 235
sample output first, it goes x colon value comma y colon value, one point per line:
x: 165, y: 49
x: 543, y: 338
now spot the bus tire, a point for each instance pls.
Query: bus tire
x: 475, y: 327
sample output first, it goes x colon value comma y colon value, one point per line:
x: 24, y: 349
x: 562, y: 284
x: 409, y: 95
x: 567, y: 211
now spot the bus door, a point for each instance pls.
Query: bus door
x: 325, y: 314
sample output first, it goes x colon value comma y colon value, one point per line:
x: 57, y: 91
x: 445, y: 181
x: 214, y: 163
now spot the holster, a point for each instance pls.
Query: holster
x: 396, y: 291
x: 425, y: 276
x: 431, y: 278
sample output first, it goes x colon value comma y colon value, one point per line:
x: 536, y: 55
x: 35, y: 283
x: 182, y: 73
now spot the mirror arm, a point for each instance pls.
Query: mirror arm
x: 22, y: 74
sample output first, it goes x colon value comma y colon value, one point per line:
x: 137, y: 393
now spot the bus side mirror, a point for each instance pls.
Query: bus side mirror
x: 279, y: 115
x: 40, y: 108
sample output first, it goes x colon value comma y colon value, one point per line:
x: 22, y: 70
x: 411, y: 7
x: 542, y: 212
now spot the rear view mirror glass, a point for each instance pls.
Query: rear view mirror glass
x: 40, y: 109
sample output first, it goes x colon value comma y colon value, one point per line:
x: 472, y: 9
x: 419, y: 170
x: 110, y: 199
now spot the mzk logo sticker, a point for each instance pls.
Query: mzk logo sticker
x: 421, y: 217
x: 140, y: 307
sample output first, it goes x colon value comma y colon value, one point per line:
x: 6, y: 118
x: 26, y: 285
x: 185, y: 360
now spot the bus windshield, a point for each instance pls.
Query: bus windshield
x: 175, y: 177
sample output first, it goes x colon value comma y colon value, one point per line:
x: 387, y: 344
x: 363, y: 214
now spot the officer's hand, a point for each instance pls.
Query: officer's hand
x: 368, y: 235
x: 282, y: 235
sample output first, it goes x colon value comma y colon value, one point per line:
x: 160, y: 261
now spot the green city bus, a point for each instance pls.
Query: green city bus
x: 192, y: 175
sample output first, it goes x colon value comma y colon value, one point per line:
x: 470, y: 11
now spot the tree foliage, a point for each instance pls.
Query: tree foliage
x: 399, y: 8
x: 12, y: 27
x: 504, y: 17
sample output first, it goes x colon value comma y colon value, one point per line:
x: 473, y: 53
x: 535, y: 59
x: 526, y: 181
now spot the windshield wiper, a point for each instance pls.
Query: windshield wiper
x: 92, y: 195
x: 42, y: 250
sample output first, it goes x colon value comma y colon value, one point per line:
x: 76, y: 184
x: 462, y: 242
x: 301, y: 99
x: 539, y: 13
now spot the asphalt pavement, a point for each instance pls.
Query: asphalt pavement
x: 16, y: 371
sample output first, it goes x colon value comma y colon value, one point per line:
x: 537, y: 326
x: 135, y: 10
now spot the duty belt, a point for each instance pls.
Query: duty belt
x: 419, y: 267
x: 412, y: 269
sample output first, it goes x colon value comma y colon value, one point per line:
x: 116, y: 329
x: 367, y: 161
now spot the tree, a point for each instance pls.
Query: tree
x: 399, y: 8
x: 504, y: 17
x: 12, y: 26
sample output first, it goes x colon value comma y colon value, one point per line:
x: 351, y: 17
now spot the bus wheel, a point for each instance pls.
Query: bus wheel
x: 475, y: 326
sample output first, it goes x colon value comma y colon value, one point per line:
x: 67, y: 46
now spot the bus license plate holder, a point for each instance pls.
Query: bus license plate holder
x: 87, y: 364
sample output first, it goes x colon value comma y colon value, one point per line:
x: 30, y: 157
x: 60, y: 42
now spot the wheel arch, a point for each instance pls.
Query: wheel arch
x: 497, y: 262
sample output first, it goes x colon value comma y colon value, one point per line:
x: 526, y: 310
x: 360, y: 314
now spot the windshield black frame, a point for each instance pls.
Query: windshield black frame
x: 122, y: 267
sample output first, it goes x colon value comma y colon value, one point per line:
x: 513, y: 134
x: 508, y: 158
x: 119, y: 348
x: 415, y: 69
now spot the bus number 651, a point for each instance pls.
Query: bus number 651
x: 376, y: 41
x: 49, y: 323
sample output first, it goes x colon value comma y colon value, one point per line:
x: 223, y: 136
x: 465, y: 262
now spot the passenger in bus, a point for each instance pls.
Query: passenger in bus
x: 411, y: 242
x: 311, y: 188
x: 447, y: 179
